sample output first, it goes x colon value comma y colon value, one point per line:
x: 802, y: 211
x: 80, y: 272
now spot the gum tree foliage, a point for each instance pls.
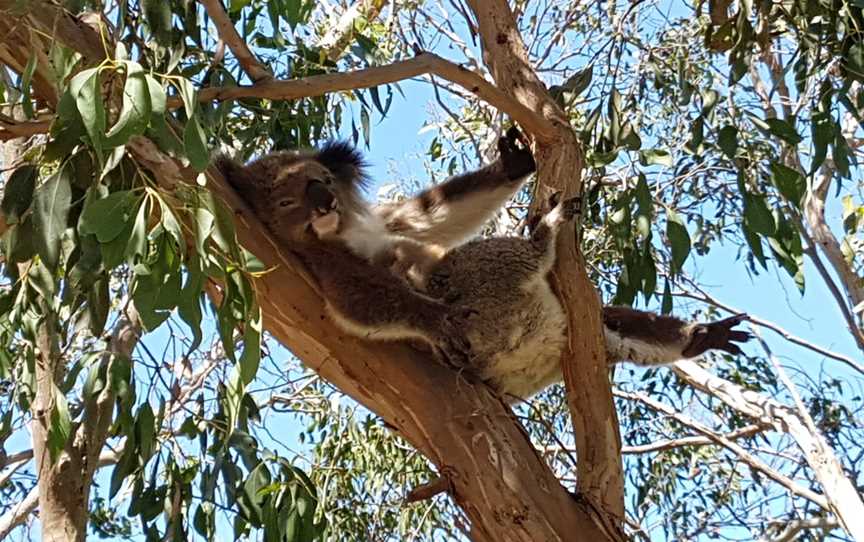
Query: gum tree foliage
x: 715, y: 123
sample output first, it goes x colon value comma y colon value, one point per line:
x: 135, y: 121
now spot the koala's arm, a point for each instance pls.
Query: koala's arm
x: 364, y: 300
x: 647, y: 338
x: 449, y: 213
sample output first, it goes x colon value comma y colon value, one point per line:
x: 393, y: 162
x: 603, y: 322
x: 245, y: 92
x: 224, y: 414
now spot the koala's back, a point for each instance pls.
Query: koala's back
x: 519, y: 333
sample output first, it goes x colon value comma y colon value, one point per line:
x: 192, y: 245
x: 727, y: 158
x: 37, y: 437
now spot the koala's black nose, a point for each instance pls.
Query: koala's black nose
x: 319, y: 196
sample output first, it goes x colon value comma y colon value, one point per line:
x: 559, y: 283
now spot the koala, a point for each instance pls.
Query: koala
x: 483, y: 304
x: 311, y: 202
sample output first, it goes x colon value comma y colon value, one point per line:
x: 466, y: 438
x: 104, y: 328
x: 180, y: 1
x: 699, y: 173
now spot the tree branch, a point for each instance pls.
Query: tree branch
x: 842, y: 496
x: 730, y: 445
x: 693, y: 442
x: 422, y: 64
x: 256, y: 71
x: 18, y: 513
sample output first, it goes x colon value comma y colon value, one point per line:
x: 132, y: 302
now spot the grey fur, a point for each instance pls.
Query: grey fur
x: 484, y: 304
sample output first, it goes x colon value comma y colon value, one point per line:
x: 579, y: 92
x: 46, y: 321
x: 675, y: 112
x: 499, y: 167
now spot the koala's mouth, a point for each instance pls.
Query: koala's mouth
x: 326, y: 221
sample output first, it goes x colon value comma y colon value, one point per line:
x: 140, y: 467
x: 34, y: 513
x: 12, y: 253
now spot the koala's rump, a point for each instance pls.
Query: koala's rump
x: 519, y: 331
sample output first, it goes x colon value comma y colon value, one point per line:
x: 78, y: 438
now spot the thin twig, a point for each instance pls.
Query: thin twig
x: 743, y: 454
x: 706, y: 298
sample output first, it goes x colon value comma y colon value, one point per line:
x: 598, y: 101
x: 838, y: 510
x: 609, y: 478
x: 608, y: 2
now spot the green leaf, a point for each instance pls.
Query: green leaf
x: 755, y: 244
x: 106, y: 218
x: 650, y: 157
x: 841, y: 153
x: 189, y: 302
x: 727, y: 140
x: 67, y: 129
x: 666, y: 305
x: 679, y: 238
x: 251, y: 357
x: 86, y: 89
x: 219, y: 224
x: 195, y: 143
x: 789, y: 182
x: 169, y: 222
x: 136, y: 108
x: 98, y: 306
x: 18, y: 193
x: 364, y: 122
x: 50, y: 213
x: 578, y: 82
x: 26, y: 77
x: 783, y: 130
x: 61, y: 425
x: 822, y: 131
x: 157, y: 14
x: 758, y: 216
x: 146, y: 432
x: 645, y: 209
x: 18, y: 242
x: 187, y: 93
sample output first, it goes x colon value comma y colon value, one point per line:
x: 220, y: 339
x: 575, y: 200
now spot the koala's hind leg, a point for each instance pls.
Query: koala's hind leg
x: 367, y: 301
x: 652, y: 339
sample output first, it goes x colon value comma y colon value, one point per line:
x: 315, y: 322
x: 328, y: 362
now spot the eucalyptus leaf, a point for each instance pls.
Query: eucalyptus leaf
x: 679, y: 239
x: 50, y: 213
x: 18, y: 193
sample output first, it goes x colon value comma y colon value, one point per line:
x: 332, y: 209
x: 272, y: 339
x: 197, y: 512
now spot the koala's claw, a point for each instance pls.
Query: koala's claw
x: 454, y: 346
x: 562, y: 211
x: 718, y: 335
x: 570, y: 208
x: 516, y: 160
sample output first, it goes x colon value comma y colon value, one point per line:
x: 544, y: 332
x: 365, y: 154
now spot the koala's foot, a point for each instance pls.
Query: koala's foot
x: 453, y: 347
x: 516, y: 158
x: 562, y: 211
x: 717, y: 335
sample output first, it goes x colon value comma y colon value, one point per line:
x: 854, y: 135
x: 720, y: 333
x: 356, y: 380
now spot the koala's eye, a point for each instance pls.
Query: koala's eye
x: 326, y: 180
x: 286, y: 203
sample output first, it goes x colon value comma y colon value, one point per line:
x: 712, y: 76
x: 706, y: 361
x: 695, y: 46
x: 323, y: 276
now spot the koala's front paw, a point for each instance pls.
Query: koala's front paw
x: 453, y: 345
x: 517, y: 161
x: 717, y: 335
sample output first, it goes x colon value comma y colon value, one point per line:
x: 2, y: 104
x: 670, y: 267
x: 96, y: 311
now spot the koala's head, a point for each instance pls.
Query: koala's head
x: 300, y: 195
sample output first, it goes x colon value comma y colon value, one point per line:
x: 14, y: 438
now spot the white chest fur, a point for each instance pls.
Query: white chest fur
x: 366, y: 235
x: 532, y: 360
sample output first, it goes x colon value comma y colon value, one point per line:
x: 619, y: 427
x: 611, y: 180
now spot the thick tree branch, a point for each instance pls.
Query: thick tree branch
x: 560, y: 161
x: 18, y: 514
x: 225, y: 27
x: 823, y: 237
x: 498, y: 478
x: 316, y: 85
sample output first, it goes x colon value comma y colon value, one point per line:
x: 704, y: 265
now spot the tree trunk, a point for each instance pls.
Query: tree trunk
x: 559, y: 167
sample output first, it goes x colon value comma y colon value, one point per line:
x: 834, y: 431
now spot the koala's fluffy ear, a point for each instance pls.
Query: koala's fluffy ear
x: 234, y: 172
x: 345, y: 162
